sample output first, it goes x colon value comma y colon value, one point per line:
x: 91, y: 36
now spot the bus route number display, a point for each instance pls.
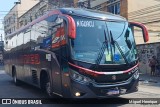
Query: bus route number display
x: 85, y: 23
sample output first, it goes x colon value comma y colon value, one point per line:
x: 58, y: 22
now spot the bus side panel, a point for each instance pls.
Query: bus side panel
x: 19, y: 64
x: 38, y: 64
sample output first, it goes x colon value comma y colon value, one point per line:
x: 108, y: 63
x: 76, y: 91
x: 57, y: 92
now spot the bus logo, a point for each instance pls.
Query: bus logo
x: 113, y: 77
x: 6, y: 101
x: 59, y: 38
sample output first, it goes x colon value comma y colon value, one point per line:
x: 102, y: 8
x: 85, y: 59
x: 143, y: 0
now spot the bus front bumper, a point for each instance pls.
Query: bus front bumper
x: 94, y: 90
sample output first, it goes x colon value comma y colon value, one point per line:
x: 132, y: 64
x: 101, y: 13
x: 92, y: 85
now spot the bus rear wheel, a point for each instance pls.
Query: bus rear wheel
x: 48, y: 89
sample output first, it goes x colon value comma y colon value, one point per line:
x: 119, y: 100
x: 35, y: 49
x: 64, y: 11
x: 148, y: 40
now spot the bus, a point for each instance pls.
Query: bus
x: 76, y: 53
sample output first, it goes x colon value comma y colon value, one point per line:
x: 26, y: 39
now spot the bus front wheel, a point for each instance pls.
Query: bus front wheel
x: 48, y: 88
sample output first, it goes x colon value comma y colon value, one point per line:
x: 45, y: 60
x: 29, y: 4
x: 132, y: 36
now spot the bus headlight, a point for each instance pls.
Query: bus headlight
x: 79, y: 78
x: 136, y: 75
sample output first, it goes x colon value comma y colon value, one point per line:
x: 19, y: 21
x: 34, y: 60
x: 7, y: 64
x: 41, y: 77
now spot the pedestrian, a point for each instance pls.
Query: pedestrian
x: 152, y: 64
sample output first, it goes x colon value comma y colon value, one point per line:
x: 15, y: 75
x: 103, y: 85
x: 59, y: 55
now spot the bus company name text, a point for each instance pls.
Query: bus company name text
x: 85, y: 23
x: 30, y: 59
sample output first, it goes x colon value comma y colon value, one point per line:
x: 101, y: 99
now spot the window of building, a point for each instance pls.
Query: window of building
x: 25, y: 21
x: 21, y: 23
x: 113, y: 6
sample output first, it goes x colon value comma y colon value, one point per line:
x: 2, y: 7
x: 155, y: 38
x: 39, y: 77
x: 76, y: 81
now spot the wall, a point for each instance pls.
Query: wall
x: 17, y: 11
x: 144, y: 11
x: 145, y: 52
x: 25, y: 6
x: 136, y: 5
x: 124, y: 8
x: 148, y: 13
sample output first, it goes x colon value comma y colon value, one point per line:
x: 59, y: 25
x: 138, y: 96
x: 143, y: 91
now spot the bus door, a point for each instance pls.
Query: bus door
x: 58, y: 41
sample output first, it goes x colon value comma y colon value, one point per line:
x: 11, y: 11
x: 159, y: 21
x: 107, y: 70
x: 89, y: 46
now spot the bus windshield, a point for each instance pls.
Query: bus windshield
x: 103, y: 42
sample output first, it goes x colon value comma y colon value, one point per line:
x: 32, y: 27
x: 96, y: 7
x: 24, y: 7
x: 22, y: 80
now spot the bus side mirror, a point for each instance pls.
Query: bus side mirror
x: 144, y: 30
x: 71, y: 27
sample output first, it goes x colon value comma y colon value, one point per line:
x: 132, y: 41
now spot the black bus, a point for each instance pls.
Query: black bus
x: 76, y: 53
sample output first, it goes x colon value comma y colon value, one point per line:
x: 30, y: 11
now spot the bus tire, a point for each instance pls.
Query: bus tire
x: 45, y: 83
x: 48, y: 89
x: 16, y: 81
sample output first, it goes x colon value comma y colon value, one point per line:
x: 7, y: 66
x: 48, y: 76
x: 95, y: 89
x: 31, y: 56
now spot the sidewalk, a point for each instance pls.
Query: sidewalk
x: 148, y: 78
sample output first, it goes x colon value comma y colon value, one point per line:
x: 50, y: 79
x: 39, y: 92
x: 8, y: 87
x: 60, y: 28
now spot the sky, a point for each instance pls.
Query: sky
x: 5, y: 6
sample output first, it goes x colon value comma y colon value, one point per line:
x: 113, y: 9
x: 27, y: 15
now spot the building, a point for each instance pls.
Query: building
x: 11, y: 22
x: 36, y: 11
x: 146, y: 12
x: 41, y: 8
x: 92, y: 4
x: 28, y: 10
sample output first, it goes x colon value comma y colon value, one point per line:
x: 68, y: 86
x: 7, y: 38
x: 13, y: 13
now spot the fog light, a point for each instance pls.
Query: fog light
x: 77, y: 94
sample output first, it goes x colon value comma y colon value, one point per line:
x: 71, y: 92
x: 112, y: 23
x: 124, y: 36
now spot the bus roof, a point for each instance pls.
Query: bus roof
x: 74, y: 11
x: 92, y: 14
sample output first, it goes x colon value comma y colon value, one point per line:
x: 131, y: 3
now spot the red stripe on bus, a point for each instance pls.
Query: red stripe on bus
x: 88, y: 71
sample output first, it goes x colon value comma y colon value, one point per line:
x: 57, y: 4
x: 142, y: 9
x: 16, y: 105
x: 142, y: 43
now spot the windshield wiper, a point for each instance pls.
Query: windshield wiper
x: 102, y: 50
x: 113, y: 42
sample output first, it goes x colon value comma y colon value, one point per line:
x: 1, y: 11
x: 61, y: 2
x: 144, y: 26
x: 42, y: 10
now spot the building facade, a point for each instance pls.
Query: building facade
x: 36, y: 11
x: 28, y: 10
x: 11, y: 20
x: 146, y: 12
x: 92, y: 4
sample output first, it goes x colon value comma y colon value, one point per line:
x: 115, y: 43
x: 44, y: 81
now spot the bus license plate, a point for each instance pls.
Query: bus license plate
x: 113, y: 92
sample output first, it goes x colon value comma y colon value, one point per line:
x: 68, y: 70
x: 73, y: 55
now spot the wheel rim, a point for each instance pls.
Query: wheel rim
x: 48, y: 88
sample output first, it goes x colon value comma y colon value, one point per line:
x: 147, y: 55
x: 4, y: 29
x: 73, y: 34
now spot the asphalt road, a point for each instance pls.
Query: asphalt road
x: 9, y: 90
